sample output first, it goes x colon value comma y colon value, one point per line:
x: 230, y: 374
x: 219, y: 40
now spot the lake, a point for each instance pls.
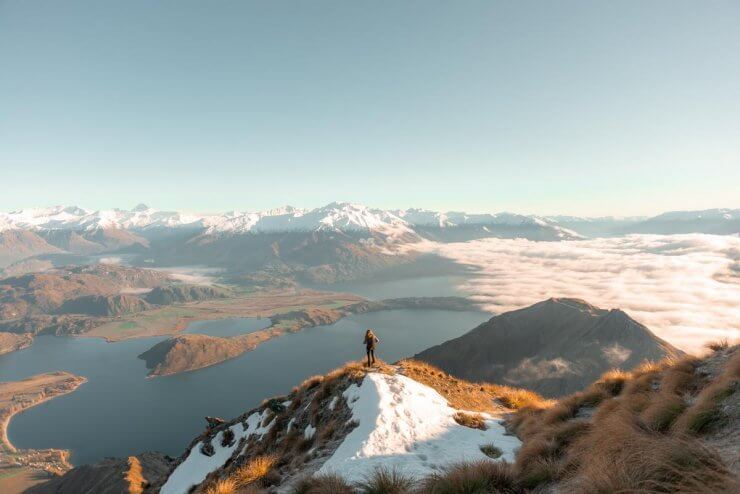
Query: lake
x: 421, y: 286
x: 120, y: 412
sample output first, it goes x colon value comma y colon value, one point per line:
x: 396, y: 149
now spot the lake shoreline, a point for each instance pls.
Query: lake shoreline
x: 17, y: 397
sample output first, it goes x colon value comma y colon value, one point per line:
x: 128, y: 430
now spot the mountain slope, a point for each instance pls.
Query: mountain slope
x: 713, y: 221
x: 554, y: 347
x: 350, y: 421
x: 668, y: 427
x: 16, y: 244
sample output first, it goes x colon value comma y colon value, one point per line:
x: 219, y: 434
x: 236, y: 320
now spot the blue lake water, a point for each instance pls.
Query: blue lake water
x: 423, y: 286
x: 228, y: 327
x: 119, y: 411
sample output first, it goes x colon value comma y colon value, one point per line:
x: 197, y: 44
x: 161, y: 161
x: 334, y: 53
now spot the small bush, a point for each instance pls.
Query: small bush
x: 472, y: 420
x: 386, y: 481
x: 491, y: 451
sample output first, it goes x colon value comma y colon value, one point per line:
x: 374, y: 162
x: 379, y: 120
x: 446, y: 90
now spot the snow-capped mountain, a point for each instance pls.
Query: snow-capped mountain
x: 334, y: 216
x: 339, y: 216
x: 349, y: 217
x: 76, y: 218
x: 707, y: 214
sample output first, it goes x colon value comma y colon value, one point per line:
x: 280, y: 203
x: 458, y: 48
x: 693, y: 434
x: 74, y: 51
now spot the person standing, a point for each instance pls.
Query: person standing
x: 370, y: 341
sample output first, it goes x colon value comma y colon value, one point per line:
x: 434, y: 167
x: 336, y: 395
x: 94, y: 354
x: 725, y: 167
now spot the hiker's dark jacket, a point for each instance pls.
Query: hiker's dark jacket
x: 370, y: 341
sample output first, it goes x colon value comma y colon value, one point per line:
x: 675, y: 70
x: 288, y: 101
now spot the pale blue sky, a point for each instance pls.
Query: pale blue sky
x: 580, y: 107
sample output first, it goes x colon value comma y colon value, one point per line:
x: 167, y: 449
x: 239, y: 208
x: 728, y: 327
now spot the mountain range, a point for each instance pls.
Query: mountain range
x: 339, y: 241
x: 343, y: 216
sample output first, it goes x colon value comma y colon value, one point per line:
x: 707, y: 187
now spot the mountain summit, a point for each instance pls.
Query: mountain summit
x: 554, y: 347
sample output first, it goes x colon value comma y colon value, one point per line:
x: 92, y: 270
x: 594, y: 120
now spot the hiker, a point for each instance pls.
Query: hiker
x: 370, y: 341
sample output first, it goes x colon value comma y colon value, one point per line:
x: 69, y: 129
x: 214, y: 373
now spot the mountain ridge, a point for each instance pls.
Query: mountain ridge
x: 554, y: 347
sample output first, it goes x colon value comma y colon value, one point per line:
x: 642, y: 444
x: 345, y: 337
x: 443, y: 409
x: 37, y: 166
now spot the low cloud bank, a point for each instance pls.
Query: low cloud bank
x: 685, y: 288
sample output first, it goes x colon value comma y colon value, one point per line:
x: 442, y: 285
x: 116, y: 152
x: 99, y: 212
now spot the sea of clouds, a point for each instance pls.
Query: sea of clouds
x: 685, y: 288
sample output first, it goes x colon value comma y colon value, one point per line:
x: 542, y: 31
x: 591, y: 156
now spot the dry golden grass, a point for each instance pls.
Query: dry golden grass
x: 613, y: 381
x: 472, y: 420
x: 635, y: 441
x: 223, y: 486
x: 386, y: 481
x: 721, y: 344
x: 462, y: 394
x: 705, y: 412
x: 322, y: 484
x: 477, y: 477
x: 135, y: 476
x: 662, y: 410
x: 253, y: 471
x: 618, y: 456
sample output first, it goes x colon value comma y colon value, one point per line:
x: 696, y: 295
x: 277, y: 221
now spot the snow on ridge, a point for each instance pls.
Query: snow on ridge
x: 336, y: 216
x: 196, y: 467
x: 408, y: 426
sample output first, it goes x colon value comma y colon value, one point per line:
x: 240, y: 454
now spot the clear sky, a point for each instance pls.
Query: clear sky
x: 578, y: 107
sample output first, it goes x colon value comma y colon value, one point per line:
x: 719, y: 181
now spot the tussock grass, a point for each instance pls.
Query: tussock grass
x: 254, y: 470
x: 705, y: 412
x: 322, y: 484
x: 222, y: 486
x: 135, y: 476
x: 613, y: 381
x: 716, y: 346
x: 661, y: 411
x: 472, y: 420
x: 638, y: 440
x: 386, y: 481
x: 472, y: 478
x: 491, y: 450
x: 461, y: 394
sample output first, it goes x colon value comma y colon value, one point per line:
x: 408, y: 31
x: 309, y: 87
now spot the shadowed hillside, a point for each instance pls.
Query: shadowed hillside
x: 554, y: 347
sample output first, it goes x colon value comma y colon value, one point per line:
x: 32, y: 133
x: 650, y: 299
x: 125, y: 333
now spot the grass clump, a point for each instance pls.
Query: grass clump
x: 491, y: 451
x: 323, y: 484
x: 639, y: 437
x: 462, y: 394
x: 253, y: 471
x: 706, y: 412
x: 613, y: 381
x: 222, y: 486
x: 472, y: 420
x: 662, y: 411
x: 718, y: 345
x: 483, y: 476
x: 386, y: 481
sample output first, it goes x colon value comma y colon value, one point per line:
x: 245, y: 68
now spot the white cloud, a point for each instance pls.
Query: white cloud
x: 616, y: 354
x: 686, y: 288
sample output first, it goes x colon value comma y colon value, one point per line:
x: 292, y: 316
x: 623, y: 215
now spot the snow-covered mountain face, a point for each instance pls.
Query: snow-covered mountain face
x: 334, y: 216
x: 348, y: 217
x: 77, y: 219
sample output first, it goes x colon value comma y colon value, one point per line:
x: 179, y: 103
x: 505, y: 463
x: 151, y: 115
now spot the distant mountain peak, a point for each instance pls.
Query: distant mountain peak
x: 522, y: 347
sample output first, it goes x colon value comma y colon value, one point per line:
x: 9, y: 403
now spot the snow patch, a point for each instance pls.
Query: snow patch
x: 406, y: 425
x: 309, y: 432
x: 197, y: 466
